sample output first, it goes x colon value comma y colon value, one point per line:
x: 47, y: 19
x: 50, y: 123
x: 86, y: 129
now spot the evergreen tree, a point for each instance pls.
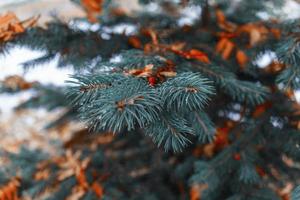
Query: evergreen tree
x: 174, y: 110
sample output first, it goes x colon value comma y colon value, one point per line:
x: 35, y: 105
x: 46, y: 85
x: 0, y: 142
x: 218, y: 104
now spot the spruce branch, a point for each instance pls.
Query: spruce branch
x: 242, y: 91
x: 203, y: 126
x: 288, y: 52
x: 127, y: 105
x: 85, y: 88
x: 296, y: 193
x: 248, y: 173
x: 186, y: 91
x: 170, y: 131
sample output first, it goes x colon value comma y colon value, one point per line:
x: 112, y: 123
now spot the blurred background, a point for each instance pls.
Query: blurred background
x: 27, y: 127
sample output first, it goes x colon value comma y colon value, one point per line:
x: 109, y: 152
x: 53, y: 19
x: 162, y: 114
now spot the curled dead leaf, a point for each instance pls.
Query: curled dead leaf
x: 16, y: 82
x: 10, y: 190
x: 196, y: 191
x: 98, y: 189
x: 168, y: 73
x: 93, y: 9
x: 135, y: 42
x: 10, y: 26
x: 241, y: 58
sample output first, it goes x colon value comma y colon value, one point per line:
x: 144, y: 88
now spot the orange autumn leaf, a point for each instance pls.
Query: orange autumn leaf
x: 196, y: 191
x: 221, y: 44
x: 222, y: 133
x: 10, y: 190
x: 225, y: 47
x: 186, y: 28
x: 11, y: 26
x: 81, y: 179
x: 220, y: 16
x: 285, y: 192
x: 290, y: 93
x: 193, y: 54
x: 178, y: 46
x: 76, y: 194
x: 222, y: 136
x: 144, y: 72
x: 153, y: 75
x: 93, y: 9
x: 152, y: 34
x: 71, y: 165
x: 104, y: 177
x: 98, y: 189
x: 260, y: 109
x: 241, y: 58
x: 260, y: 171
x: 275, y: 67
x: 199, y: 55
x: 168, y: 73
x: 135, y: 42
x: 8, y: 18
x: 226, y: 35
x: 42, y: 175
x: 227, y: 50
x: 237, y: 156
x: 209, y: 150
x: 285, y: 197
x: 118, y: 12
x: 223, y: 23
x: 257, y: 33
x: 16, y: 82
x: 18, y: 28
x: 276, y: 32
x: 93, y: 5
x: 194, y: 194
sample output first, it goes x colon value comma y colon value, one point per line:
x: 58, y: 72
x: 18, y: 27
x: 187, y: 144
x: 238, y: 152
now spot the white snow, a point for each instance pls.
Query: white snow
x: 46, y: 74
